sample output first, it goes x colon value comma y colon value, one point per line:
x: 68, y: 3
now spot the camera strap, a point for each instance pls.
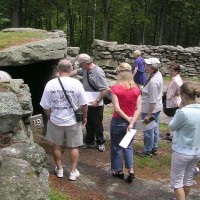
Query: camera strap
x: 65, y: 93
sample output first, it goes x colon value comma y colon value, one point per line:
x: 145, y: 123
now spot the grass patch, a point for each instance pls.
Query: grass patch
x: 108, y: 111
x: 164, y: 128
x: 16, y: 38
x: 54, y: 195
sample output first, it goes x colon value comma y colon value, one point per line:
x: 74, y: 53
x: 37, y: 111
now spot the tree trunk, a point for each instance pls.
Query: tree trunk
x: 14, y: 16
x: 106, y: 8
x: 162, y: 18
x: 94, y: 19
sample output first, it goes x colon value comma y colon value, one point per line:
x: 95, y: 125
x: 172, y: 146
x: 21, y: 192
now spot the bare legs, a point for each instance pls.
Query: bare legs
x: 74, y: 153
x: 181, y: 193
x: 57, y: 154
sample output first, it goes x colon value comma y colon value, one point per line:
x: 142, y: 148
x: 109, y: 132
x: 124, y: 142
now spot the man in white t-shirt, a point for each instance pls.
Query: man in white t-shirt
x: 61, y: 118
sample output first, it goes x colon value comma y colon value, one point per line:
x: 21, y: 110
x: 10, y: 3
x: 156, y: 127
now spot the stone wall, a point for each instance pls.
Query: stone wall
x: 108, y: 54
x: 23, y: 171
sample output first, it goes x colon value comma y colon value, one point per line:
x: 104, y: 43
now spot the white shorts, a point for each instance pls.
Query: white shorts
x: 182, y: 169
x: 71, y: 136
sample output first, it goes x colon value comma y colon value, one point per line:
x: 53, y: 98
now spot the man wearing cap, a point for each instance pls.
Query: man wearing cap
x: 96, y: 87
x: 62, y: 127
x: 151, y: 106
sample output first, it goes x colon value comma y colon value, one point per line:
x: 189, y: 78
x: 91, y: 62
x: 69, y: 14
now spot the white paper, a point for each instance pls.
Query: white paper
x: 92, y: 96
x: 141, y: 127
x: 127, y: 138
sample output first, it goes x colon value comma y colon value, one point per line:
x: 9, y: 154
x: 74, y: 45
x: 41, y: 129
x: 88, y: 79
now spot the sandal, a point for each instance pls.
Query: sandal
x: 130, y: 177
x: 119, y: 174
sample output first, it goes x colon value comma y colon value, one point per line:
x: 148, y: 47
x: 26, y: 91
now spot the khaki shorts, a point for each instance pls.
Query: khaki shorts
x: 71, y: 136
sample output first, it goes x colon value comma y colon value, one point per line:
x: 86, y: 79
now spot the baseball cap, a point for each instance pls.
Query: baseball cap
x: 84, y: 58
x: 151, y: 61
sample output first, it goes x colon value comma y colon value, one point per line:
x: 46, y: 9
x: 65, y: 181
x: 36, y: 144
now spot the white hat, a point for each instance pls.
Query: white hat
x: 84, y: 58
x: 152, y: 61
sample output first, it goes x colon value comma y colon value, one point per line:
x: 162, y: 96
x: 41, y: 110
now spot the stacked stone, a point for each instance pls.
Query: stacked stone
x: 21, y: 160
x: 109, y: 54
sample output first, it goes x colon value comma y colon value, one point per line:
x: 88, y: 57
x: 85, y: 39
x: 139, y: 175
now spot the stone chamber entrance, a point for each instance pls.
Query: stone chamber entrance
x: 35, y: 76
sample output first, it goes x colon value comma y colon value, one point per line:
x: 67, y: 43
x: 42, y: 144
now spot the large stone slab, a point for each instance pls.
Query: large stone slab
x: 47, y: 49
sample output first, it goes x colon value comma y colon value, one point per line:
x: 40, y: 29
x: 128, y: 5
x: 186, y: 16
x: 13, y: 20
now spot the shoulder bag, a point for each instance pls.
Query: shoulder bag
x: 78, y: 113
x: 170, y: 112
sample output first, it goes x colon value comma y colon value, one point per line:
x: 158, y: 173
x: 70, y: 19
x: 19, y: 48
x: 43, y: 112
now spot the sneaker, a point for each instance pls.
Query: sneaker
x: 73, y: 175
x: 154, y: 151
x: 119, y: 174
x: 85, y: 146
x: 196, y: 172
x: 102, y: 147
x: 130, y: 177
x: 144, y: 154
x: 59, y: 172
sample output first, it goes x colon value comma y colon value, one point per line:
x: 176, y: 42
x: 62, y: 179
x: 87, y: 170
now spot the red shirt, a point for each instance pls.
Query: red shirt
x: 127, y: 99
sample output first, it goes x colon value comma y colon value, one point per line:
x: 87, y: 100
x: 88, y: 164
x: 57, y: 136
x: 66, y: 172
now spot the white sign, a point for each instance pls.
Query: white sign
x: 36, y: 121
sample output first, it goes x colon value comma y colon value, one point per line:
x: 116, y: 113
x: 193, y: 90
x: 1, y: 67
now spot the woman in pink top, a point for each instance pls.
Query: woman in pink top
x: 173, y: 94
x: 126, y: 100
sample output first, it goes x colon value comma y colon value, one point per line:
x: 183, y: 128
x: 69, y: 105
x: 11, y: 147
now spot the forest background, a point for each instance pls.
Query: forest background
x: 139, y: 22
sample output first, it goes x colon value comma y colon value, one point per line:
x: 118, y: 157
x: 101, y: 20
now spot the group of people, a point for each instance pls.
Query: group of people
x: 133, y: 95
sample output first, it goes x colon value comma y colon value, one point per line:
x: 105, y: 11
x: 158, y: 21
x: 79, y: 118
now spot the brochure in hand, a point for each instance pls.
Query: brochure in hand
x: 127, y: 138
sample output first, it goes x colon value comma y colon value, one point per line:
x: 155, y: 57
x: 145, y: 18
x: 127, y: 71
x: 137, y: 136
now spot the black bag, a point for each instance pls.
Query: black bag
x: 79, y: 115
x: 170, y: 112
x: 107, y: 99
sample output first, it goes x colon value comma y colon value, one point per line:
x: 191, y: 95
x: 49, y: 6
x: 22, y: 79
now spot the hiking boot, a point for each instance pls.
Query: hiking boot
x: 73, y: 175
x: 85, y: 146
x: 59, y: 172
x: 154, y: 151
x: 102, y: 147
x: 196, y: 172
x: 119, y: 174
x: 130, y: 177
x: 144, y: 154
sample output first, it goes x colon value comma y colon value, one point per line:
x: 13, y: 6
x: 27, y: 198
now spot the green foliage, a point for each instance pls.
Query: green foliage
x: 13, y: 38
x: 54, y: 195
x: 133, y: 22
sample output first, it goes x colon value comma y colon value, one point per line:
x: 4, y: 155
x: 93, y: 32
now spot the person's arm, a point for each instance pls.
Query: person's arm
x: 135, y: 71
x: 178, y: 121
x: 100, y: 97
x: 136, y: 113
x: 73, y: 73
x: 84, y: 109
x: 150, y: 111
x: 47, y: 113
x: 118, y: 109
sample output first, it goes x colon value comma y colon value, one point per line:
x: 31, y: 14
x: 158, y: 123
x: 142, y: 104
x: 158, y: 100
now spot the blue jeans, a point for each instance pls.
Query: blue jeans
x: 118, y: 129
x: 151, y: 136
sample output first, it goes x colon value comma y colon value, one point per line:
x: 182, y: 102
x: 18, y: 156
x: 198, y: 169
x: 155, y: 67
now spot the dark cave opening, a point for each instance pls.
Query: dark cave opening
x: 35, y: 76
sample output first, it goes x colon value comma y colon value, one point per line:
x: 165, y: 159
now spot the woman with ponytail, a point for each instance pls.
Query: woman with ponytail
x: 186, y: 141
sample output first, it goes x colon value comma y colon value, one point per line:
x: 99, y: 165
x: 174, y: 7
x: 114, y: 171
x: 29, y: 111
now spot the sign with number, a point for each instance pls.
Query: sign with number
x: 36, y: 121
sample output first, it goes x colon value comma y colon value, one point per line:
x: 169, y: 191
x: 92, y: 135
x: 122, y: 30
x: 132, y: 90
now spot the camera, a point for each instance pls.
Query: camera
x: 79, y: 115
